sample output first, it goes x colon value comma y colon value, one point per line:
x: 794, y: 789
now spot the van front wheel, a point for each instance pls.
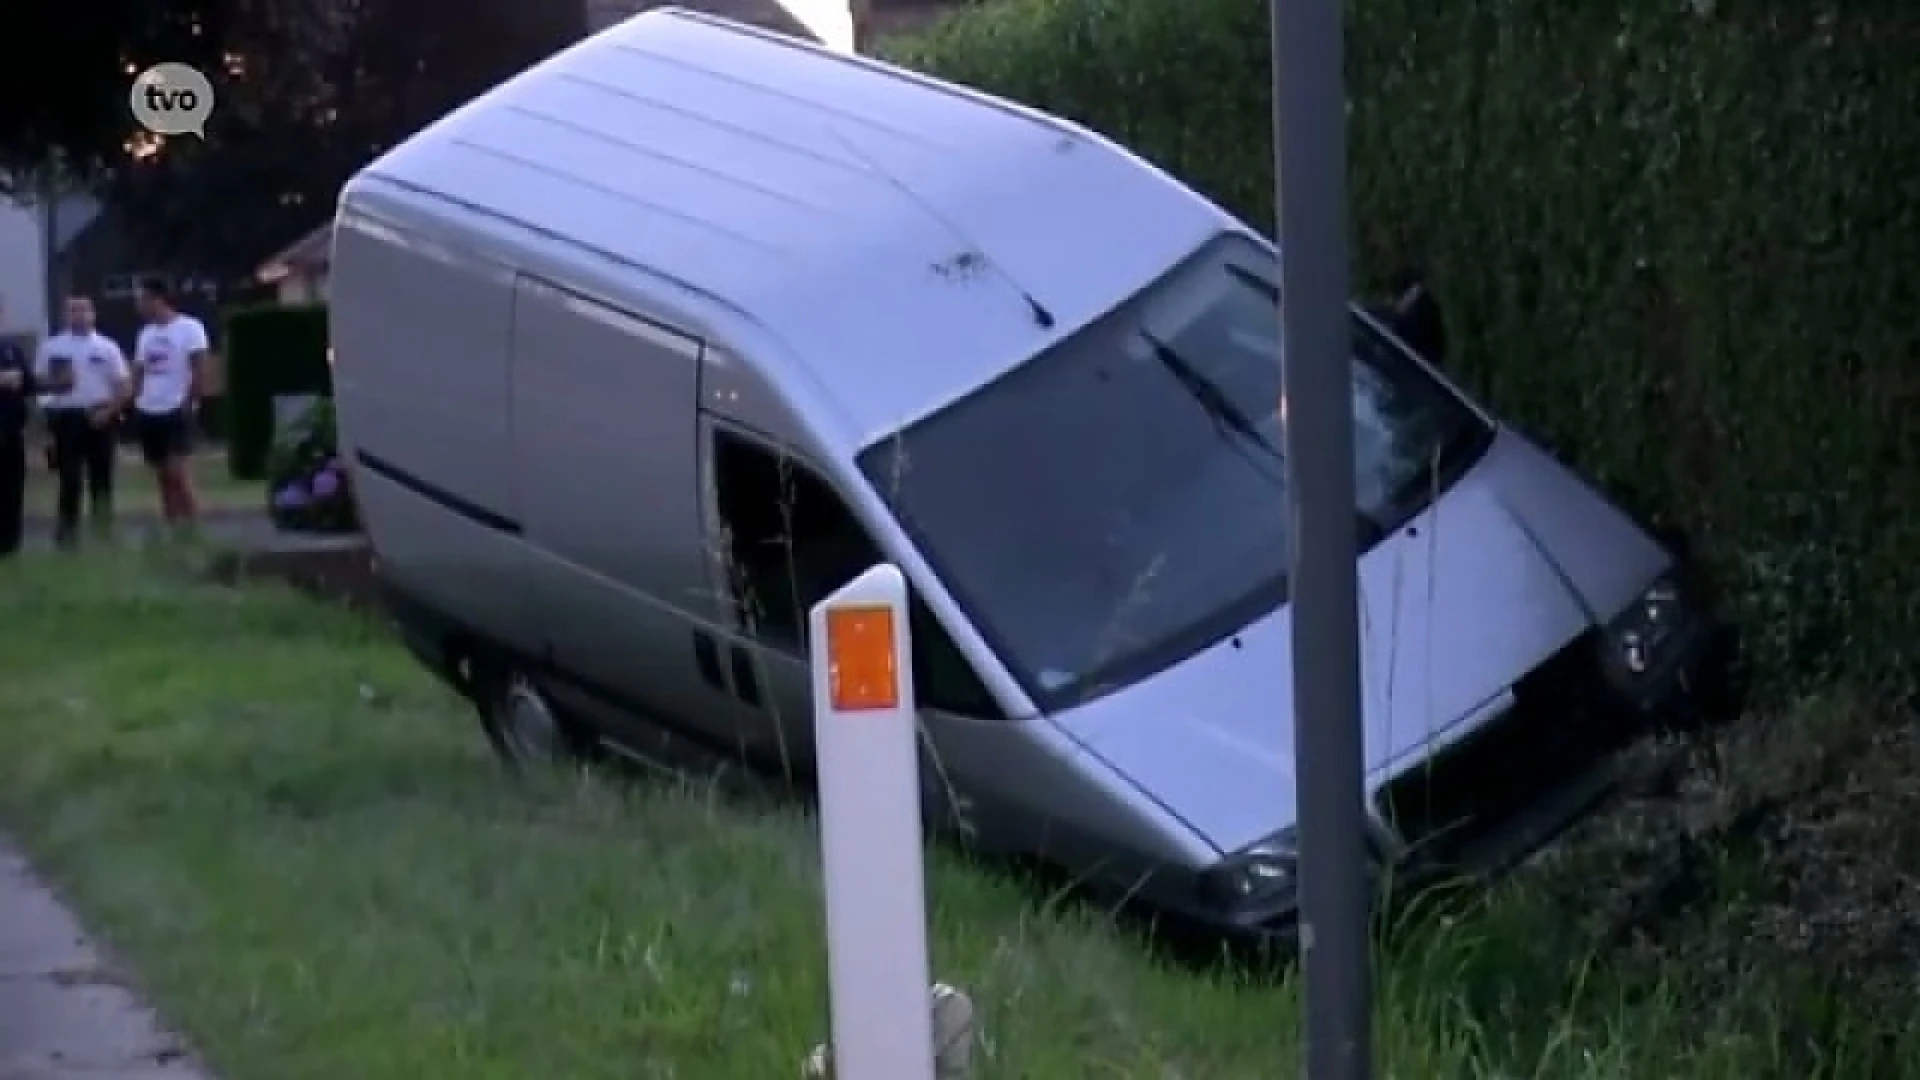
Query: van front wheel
x: 525, y: 729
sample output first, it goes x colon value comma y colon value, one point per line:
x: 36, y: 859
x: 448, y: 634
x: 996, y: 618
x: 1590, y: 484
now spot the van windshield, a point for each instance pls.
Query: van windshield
x: 1118, y: 503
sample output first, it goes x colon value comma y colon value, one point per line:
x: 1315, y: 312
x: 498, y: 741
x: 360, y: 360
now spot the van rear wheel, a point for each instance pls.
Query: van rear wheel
x: 525, y: 728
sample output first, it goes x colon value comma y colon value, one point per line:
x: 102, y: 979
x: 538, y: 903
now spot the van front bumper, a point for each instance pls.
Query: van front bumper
x: 1502, y: 793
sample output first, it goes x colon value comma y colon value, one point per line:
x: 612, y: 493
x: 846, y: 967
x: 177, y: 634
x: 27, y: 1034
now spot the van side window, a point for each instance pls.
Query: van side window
x: 790, y: 542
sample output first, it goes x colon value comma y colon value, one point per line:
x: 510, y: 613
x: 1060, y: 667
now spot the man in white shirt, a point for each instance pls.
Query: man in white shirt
x: 168, y: 359
x: 87, y: 385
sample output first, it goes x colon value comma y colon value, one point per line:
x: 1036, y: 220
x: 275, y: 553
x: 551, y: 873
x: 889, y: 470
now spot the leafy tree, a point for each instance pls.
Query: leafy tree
x: 407, y: 62
x: 65, y: 69
x: 313, y: 90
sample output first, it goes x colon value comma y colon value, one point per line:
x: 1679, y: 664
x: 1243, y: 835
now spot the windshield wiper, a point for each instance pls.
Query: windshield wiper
x: 1219, y: 407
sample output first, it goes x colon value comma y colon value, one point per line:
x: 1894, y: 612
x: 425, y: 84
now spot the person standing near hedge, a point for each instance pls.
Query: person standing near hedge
x: 16, y: 393
x: 168, y: 362
x: 88, y: 384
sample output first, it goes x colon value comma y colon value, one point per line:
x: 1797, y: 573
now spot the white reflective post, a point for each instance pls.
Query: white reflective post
x: 866, y: 742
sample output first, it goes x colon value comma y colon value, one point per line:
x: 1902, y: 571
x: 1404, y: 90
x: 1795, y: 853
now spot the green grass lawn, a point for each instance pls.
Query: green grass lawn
x: 298, y: 844
x: 135, y: 491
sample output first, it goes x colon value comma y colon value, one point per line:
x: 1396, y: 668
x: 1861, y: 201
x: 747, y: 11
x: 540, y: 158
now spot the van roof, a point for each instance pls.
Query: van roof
x: 880, y: 224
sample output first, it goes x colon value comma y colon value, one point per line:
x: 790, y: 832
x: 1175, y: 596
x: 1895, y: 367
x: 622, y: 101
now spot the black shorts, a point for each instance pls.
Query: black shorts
x: 164, y: 436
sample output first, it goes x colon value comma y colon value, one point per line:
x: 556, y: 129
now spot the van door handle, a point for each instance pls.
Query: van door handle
x: 745, y: 682
x: 706, y: 656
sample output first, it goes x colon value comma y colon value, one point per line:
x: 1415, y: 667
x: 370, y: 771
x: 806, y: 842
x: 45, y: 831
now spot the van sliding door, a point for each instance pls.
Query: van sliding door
x: 604, y: 429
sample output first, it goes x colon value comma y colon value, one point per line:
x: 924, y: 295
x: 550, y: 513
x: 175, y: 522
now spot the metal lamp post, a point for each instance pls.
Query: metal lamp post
x: 1310, y: 164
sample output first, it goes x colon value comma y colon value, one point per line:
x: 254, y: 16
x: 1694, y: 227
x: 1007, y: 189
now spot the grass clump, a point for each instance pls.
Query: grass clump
x: 297, y: 840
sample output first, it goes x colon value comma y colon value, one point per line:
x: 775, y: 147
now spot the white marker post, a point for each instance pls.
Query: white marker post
x: 866, y: 742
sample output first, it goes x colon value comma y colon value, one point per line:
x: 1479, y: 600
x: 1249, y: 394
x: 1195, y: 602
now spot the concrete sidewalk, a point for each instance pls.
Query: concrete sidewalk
x: 62, y: 1017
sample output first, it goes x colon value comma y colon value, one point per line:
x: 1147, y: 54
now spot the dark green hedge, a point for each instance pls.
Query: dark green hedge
x: 1681, y: 247
x: 272, y: 350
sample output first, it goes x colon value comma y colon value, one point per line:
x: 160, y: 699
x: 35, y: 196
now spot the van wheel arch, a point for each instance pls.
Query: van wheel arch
x: 507, y: 698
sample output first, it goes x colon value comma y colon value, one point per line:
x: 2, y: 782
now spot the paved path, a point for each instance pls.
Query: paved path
x: 62, y: 1017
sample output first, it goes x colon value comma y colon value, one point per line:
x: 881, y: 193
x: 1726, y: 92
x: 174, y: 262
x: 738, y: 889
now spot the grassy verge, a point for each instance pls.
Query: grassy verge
x: 135, y: 491
x: 295, y: 839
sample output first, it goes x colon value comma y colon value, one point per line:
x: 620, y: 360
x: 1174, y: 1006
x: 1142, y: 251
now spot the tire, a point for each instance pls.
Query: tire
x: 524, y: 727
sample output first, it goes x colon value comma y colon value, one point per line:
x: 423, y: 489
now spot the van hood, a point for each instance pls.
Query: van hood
x: 1454, y: 608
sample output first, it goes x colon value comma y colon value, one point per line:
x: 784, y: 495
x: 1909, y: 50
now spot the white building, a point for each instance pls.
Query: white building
x: 32, y: 267
x: 298, y: 274
x: 23, y: 271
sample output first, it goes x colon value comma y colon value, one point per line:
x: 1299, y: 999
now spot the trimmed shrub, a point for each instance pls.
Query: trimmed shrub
x: 272, y: 350
x: 213, y: 418
x: 308, y: 488
x: 1675, y: 241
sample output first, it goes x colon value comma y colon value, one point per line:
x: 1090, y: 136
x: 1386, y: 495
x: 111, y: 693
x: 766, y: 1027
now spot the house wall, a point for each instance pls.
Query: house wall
x: 303, y: 286
x: 295, y: 289
x: 23, y: 270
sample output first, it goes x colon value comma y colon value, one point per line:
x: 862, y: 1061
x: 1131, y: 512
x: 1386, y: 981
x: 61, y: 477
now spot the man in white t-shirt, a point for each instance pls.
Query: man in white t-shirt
x: 87, y: 384
x: 167, y: 361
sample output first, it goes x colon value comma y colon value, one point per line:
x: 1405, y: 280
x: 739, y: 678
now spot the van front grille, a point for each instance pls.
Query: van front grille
x: 1558, y: 726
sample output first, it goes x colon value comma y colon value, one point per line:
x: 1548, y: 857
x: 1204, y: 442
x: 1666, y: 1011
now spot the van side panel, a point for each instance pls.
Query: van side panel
x: 603, y: 416
x: 420, y: 338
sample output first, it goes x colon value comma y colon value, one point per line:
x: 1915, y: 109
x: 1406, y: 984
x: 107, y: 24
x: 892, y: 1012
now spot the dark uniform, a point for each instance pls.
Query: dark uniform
x: 14, y: 404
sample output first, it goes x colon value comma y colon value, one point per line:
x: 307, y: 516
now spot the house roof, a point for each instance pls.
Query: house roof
x: 305, y: 255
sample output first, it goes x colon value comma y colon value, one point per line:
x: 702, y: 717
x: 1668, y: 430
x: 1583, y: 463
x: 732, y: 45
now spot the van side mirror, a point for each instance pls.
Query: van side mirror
x: 1414, y: 316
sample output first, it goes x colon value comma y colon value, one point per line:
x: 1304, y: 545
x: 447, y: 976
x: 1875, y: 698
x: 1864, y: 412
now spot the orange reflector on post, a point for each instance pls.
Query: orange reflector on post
x: 862, y: 671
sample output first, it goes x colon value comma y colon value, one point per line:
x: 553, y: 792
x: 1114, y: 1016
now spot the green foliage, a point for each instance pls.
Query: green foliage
x: 1675, y: 241
x: 212, y: 418
x: 273, y: 350
x: 308, y: 488
x: 86, y: 126
x: 306, y: 444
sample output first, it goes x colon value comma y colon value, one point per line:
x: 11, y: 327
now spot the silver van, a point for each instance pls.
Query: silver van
x: 647, y: 350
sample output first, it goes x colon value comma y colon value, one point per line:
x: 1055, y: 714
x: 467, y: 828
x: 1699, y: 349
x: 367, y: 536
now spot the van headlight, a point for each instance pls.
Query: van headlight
x: 1265, y: 875
x: 1641, y: 638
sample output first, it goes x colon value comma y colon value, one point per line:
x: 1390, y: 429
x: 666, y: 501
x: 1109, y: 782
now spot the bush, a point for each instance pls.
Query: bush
x: 212, y: 416
x: 1673, y: 239
x: 273, y: 350
x: 308, y: 489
